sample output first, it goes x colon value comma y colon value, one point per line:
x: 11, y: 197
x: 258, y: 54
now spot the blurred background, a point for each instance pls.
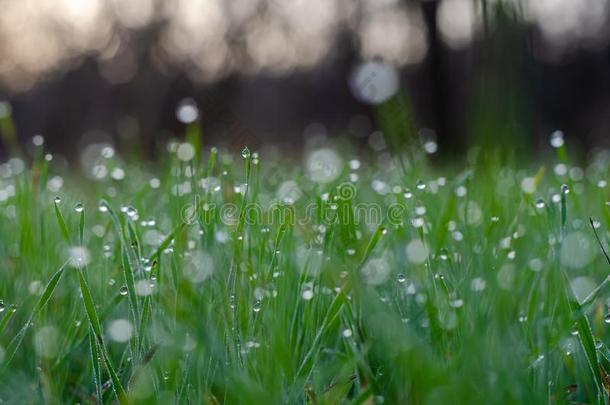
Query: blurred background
x: 138, y: 72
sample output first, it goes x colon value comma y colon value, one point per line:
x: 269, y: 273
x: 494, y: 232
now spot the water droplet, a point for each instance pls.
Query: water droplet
x: 120, y: 330
x: 307, y: 294
x: 79, y: 207
x: 421, y: 185
x: 430, y: 147
x: 2, y: 306
x: 38, y: 140
x: 131, y: 212
x: 257, y: 306
x: 347, y: 333
x: 417, y: 222
x: 323, y: 165
x: 540, y: 203
x: 522, y: 318
x: 461, y: 191
x: 117, y: 174
x: 289, y: 192
x: 477, y: 284
x: 354, y: 164
x: 123, y: 290
x: 374, y: 82
x: 79, y: 256
x: 607, y: 318
x: 574, y: 332
x: 598, y: 344
x: 560, y: 169
x: 245, y: 153
x: 187, y: 111
x: 57, y: 200
x: 457, y: 303
x: 107, y: 152
x: 565, y: 189
x: 556, y: 198
x: 557, y: 140
x: 402, y: 278
x: 143, y: 288
x: 417, y: 251
x: 102, y: 207
x: 185, y: 152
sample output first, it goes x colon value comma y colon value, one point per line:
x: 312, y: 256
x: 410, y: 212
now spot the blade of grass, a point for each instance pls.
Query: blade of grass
x: 62, y: 223
x: 40, y: 304
x: 81, y: 227
x: 585, y: 336
x: 593, y: 294
x: 94, y: 323
x: 128, y: 275
x: 381, y: 230
x: 10, y: 312
x: 331, y: 314
x: 95, y: 364
x: 166, y: 242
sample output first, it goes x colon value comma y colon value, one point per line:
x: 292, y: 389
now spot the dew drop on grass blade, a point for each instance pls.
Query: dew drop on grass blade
x: 381, y: 230
x: 62, y: 223
x: 10, y: 311
x: 81, y: 226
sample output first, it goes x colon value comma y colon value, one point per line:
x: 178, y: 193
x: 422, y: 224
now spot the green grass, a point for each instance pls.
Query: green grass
x: 395, y: 282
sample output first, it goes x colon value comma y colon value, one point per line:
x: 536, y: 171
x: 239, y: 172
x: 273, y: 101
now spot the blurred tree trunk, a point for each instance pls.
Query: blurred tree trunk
x: 436, y: 72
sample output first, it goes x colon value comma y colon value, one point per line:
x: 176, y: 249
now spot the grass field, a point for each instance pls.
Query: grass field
x: 345, y: 278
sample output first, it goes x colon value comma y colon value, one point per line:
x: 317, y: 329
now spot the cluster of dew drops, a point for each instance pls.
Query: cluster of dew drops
x: 188, y: 113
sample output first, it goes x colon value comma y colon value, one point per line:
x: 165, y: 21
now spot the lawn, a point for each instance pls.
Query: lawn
x: 347, y: 276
